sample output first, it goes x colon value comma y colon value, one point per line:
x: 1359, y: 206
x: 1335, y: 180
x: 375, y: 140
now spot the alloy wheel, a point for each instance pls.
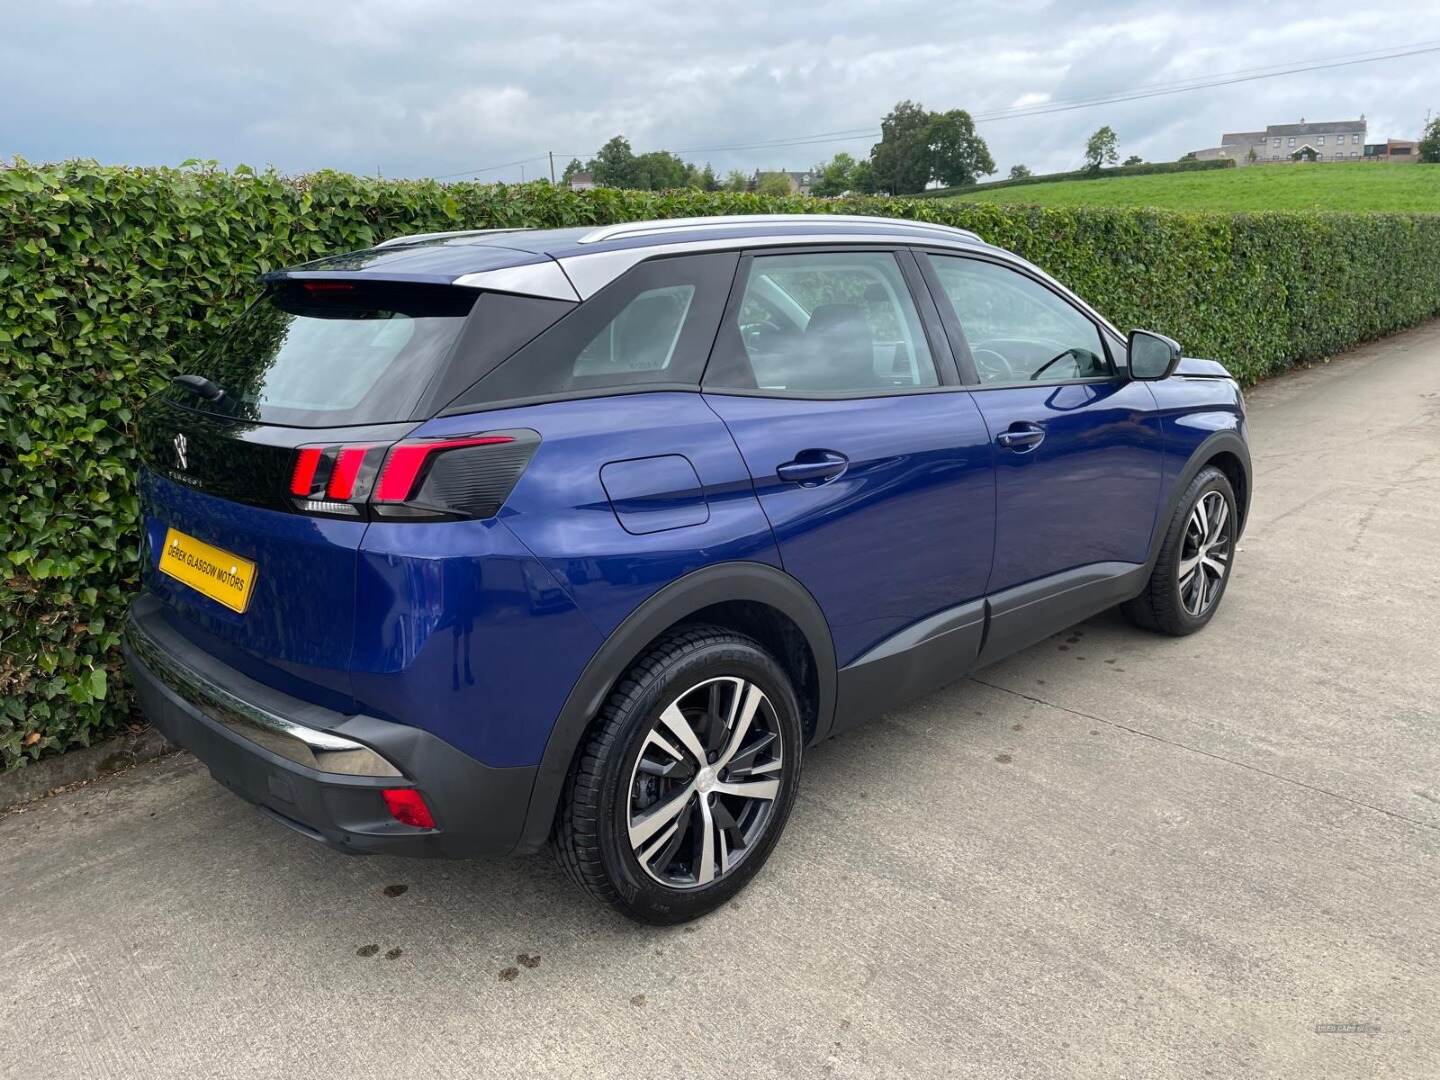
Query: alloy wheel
x: 704, y: 786
x: 1204, y: 553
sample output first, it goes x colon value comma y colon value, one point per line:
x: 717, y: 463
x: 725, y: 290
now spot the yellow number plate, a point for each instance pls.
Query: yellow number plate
x: 223, y: 577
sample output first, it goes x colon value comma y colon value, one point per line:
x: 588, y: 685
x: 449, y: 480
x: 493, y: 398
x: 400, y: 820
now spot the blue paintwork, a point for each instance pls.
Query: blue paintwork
x: 1089, y: 492
x: 652, y: 494
x: 297, y: 631
x: 906, y: 531
x: 478, y: 630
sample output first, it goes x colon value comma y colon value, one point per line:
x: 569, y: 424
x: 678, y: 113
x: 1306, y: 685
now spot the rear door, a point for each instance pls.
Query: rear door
x: 1078, y: 444
x: 872, y: 464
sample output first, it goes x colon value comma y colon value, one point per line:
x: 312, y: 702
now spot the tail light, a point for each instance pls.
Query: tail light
x: 466, y: 476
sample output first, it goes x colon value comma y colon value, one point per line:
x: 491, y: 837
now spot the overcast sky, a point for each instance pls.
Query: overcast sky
x: 438, y: 87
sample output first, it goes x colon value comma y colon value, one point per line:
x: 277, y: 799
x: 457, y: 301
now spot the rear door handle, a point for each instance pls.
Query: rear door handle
x: 1021, y: 437
x: 812, y: 467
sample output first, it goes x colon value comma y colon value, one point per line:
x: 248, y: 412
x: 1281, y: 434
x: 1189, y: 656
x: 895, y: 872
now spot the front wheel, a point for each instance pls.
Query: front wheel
x: 686, y: 780
x: 1195, y: 560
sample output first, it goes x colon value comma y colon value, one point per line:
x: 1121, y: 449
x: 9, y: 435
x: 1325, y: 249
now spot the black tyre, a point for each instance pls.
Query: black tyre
x: 686, y: 779
x: 1190, y: 576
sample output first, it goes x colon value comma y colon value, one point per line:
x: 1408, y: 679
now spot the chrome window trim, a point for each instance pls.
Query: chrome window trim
x: 546, y: 279
x: 315, y: 749
x: 592, y: 271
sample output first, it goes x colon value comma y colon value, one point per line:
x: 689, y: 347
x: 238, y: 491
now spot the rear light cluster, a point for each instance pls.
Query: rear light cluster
x: 466, y: 476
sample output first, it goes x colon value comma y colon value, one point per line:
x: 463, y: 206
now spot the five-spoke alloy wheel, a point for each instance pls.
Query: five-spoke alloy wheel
x: 683, y: 787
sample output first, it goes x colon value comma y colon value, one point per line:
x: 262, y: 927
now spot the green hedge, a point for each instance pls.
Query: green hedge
x: 1145, y: 168
x: 113, y: 277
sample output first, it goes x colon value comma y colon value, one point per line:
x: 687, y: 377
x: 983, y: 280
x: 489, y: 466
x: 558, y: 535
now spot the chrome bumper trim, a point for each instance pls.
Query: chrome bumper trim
x: 315, y: 749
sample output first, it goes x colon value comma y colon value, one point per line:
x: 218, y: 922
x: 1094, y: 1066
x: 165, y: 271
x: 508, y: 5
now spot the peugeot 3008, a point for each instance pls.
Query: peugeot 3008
x: 477, y: 541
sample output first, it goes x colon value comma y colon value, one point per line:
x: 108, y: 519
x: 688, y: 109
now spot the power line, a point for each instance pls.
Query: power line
x: 1145, y: 91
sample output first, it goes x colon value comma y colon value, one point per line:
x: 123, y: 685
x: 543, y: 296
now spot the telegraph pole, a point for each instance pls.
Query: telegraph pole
x: 552, y: 166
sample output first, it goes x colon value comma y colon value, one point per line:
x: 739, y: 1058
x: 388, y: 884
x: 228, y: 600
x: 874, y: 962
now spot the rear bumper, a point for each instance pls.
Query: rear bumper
x: 318, y: 771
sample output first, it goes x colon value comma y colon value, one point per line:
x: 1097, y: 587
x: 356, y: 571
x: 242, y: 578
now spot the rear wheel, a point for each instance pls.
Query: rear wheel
x: 1193, y: 569
x: 687, y: 779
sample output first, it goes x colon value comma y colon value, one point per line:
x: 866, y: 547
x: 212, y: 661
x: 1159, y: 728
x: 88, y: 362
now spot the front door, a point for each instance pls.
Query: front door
x: 871, y: 463
x: 1078, y: 445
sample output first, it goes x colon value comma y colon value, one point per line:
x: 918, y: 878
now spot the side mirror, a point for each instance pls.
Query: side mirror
x: 1152, y: 355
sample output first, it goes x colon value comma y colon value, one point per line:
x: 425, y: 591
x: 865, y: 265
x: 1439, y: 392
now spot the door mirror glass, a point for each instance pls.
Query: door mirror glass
x: 1152, y: 355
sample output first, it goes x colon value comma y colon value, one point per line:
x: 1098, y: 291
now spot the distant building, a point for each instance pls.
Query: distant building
x: 1334, y: 140
x: 581, y: 181
x: 1400, y: 151
x: 800, y: 182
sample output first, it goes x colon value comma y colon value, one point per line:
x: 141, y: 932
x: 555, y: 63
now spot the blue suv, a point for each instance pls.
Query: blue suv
x: 474, y: 542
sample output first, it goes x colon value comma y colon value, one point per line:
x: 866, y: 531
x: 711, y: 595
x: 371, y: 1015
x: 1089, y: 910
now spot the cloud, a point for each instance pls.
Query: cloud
x: 435, y: 87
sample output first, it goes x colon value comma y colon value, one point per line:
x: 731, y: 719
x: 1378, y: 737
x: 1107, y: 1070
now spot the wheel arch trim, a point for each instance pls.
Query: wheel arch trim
x: 1227, y: 441
x: 700, y: 589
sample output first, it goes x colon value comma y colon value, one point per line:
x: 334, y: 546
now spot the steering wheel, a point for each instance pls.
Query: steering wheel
x: 1050, y: 363
x: 991, y: 365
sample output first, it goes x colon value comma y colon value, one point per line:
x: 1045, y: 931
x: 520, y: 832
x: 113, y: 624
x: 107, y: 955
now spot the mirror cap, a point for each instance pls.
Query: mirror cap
x: 1151, y: 356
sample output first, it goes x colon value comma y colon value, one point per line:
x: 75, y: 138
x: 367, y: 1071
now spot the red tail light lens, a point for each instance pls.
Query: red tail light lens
x: 407, y: 806
x: 347, y: 467
x: 436, y: 479
x: 397, y: 478
x: 302, y: 480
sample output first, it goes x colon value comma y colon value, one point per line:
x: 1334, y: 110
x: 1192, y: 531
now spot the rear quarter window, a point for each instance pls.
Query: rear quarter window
x: 651, y: 327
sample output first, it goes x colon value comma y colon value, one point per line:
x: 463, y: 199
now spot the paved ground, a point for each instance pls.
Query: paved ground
x: 1111, y: 856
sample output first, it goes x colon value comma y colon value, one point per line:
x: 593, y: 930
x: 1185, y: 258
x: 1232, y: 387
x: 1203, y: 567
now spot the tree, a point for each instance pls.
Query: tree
x: 1133, y: 159
x: 570, y: 170
x: 901, y: 159
x: 708, y: 182
x: 834, y: 177
x: 614, y: 165
x: 773, y: 183
x: 659, y: 170
x: 862, y: 178
x: 1102, y: 149
x: 1251, y: 157
x: 958, y: 156
x: 1429, y: 148
x: 1019, y: 172
x: 735, y: 180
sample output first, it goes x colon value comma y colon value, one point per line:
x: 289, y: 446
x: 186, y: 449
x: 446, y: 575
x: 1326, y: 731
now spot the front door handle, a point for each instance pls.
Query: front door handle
x: 812, y: 467
x: 1021, y: 437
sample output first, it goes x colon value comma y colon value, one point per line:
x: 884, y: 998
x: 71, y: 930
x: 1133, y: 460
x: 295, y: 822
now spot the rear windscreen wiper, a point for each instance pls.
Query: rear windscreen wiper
x: 200, y: 386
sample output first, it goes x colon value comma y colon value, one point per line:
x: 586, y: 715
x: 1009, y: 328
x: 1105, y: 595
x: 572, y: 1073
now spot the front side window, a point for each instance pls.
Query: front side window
x: 829, y: 322
x: 1017, y: 329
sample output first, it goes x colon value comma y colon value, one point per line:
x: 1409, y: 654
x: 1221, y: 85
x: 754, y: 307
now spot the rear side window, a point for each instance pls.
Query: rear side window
x: 828, y: 322
x: 652, y: 327
x: 329, y: 353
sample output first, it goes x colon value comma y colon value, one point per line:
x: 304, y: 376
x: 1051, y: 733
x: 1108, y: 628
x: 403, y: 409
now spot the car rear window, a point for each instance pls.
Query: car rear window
x: 329, y: 353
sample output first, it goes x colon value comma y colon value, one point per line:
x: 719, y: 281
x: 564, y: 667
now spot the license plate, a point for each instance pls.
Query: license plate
x: 209, y: 570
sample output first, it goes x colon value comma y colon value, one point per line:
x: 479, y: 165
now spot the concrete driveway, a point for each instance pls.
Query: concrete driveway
x: 1114, y: 855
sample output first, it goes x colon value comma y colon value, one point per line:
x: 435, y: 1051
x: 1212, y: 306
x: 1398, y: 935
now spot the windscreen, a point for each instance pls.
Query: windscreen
x: 331, y: 353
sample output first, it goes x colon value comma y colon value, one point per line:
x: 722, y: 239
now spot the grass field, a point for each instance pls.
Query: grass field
x: 1341, y: 186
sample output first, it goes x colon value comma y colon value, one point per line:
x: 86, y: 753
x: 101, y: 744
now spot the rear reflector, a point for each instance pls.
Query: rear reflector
x: 397, y: 478
x: 407, y: 806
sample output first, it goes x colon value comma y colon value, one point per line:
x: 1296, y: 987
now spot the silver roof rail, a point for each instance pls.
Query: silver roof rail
x: 416, y: 238
x: 664, y: 225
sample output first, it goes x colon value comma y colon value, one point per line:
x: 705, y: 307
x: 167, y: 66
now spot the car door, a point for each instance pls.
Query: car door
x: 1078, y: 444
x: 871, y: 462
